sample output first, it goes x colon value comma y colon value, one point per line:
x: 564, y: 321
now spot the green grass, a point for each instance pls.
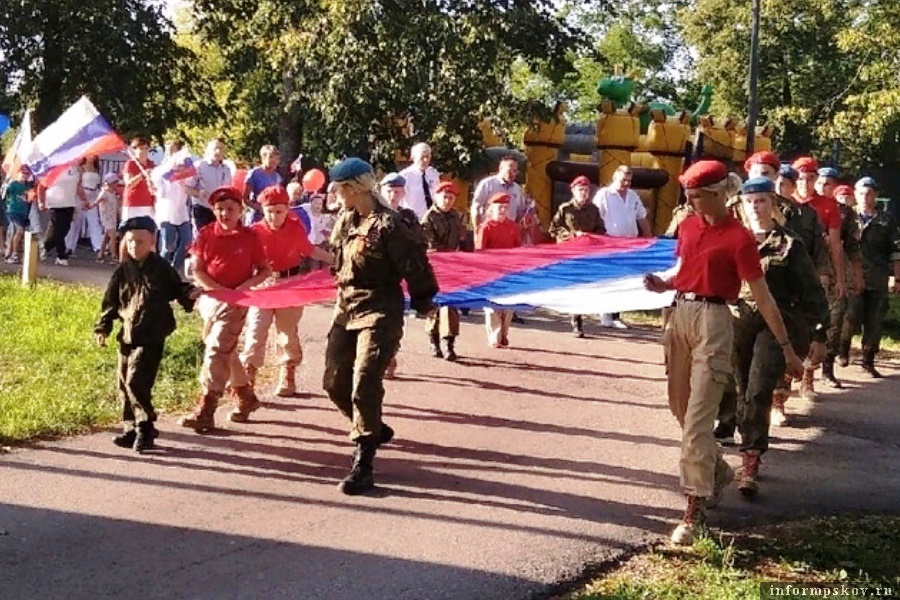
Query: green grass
x: 845, y: 549
x: 55, y: 381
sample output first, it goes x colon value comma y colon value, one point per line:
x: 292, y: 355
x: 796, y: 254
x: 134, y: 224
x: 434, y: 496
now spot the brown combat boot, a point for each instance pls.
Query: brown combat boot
x: 251, y: 374
x: 245, y: 403
x: 749, y: 473
x: 287, y: 381
x: 203, y: 417
x: 807, y: 387
x: 693, y: 524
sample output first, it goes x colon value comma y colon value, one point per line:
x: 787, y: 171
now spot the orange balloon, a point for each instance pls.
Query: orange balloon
x: 313, y: 180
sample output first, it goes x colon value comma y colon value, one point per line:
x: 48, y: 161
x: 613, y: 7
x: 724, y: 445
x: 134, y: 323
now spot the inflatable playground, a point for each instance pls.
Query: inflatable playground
x: 653, y: 138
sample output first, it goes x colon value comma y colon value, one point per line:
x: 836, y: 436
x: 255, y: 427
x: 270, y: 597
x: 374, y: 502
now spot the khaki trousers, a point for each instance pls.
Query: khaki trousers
x: 497, y: 322
x: 698, y: 343
x: 444, y: 322
x: 287, y: 338
x: 222, y: 325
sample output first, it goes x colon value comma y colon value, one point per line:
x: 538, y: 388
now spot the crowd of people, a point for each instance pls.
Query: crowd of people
x: 774, y: 276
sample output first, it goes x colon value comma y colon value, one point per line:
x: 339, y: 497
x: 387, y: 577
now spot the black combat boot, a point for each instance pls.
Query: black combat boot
x: 387, y: 434
x: 450, y: 354
x: 435, y: 346
x: 146, y: 433
x: 125, y: 440
x: 828, y: 373
x: 578, y: 326
x: 361, y: 478
x: 868, y: 364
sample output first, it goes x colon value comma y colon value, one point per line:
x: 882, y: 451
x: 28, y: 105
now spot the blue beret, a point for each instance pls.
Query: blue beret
x: 828, y: 172
x: 136, y: 223
x: 393, y: 180
x: 788, y: 172
x: 867, y: 182
x: 349, y: 168
x: 758, y: 185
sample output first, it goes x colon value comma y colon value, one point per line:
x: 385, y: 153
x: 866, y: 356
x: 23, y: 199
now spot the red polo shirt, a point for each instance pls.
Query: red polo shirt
x: 231, y: 257
x: 139, y: 193
x: 716, y: 258
x: 827, y: 208
x: 286, y: 246
x: 499, y: 234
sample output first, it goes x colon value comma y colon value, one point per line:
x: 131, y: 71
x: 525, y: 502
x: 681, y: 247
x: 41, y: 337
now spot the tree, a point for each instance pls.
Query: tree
x: 803, y: 71
x: 118, y: 52
x: 372, y: 77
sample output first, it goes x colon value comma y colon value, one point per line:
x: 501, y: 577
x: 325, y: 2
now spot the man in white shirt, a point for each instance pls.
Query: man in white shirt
x: 624, y: 215
x: 503, y: 181
x: 172, y: 213
x: 421, y: 180
x: 61, y: 198
x: 212, y: 173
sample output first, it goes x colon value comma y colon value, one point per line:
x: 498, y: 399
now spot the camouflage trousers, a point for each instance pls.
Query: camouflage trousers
x: 837, y: 307
x: 136, y: 374
x: 355, y: 362
x: 867, y: 311
x: 759, y: 366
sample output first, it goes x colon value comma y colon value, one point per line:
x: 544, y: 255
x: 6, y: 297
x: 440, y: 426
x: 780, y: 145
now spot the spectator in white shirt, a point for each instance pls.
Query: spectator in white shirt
x: 172, y: 213
x: 421, y: 180
x: 624, y: 215
x: 212, y: 173
x: 504, y: 181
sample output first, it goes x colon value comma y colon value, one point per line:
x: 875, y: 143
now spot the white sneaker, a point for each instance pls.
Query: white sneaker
x: 62, y: 262
x: 617, y: 324
x: 606, y: 320
x: 13, y: 259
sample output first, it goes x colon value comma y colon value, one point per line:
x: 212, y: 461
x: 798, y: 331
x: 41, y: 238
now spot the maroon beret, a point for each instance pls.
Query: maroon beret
x: 272, y: 195
x: 446, y: 186
x: 703, y: 173
x: 499, y: 198
x: 225, y: 193
x: 580, y: 180
x: 806, y: 164
x: 764, y: 157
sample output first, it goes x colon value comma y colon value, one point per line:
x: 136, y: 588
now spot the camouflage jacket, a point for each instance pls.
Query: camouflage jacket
x: 792, y: 281
x: 443, y: 231
x: 372, y: 255
x: 570, y: 218
x: 139, y: 294
x: 681, y: 212
x: 803, y: 221
x: 879, y: 246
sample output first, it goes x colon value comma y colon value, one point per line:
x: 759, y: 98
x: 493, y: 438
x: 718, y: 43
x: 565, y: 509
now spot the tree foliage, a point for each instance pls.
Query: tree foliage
x: 372, y: 77
x: 118, y: 52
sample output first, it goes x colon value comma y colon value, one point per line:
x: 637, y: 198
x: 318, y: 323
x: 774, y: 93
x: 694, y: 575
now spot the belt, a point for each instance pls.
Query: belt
x: 288, y: 272
x: 692, y: 297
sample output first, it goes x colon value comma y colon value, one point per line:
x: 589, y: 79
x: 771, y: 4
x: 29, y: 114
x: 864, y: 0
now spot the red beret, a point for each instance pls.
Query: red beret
x: 703, y: 173
x: 764, y: 157
x: 580, y: 180
x: 499, y: 198
x: 446, y: 186
x: 225, y: 193
x: 272, y: 195
x: 843, y: 190
x: 806, y: 164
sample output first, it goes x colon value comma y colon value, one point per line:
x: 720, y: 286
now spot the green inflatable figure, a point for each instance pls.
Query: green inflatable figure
x: 618, y: 89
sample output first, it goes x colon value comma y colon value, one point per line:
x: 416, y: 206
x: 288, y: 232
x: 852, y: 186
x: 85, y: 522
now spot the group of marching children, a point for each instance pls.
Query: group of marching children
x: 771, y: 288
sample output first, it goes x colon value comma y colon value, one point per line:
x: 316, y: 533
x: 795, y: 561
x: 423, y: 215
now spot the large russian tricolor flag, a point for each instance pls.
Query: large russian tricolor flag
x: 78, y: 132
x: 588, y: 275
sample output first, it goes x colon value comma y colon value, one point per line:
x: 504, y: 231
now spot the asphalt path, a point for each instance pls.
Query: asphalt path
x: 513, y: 473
